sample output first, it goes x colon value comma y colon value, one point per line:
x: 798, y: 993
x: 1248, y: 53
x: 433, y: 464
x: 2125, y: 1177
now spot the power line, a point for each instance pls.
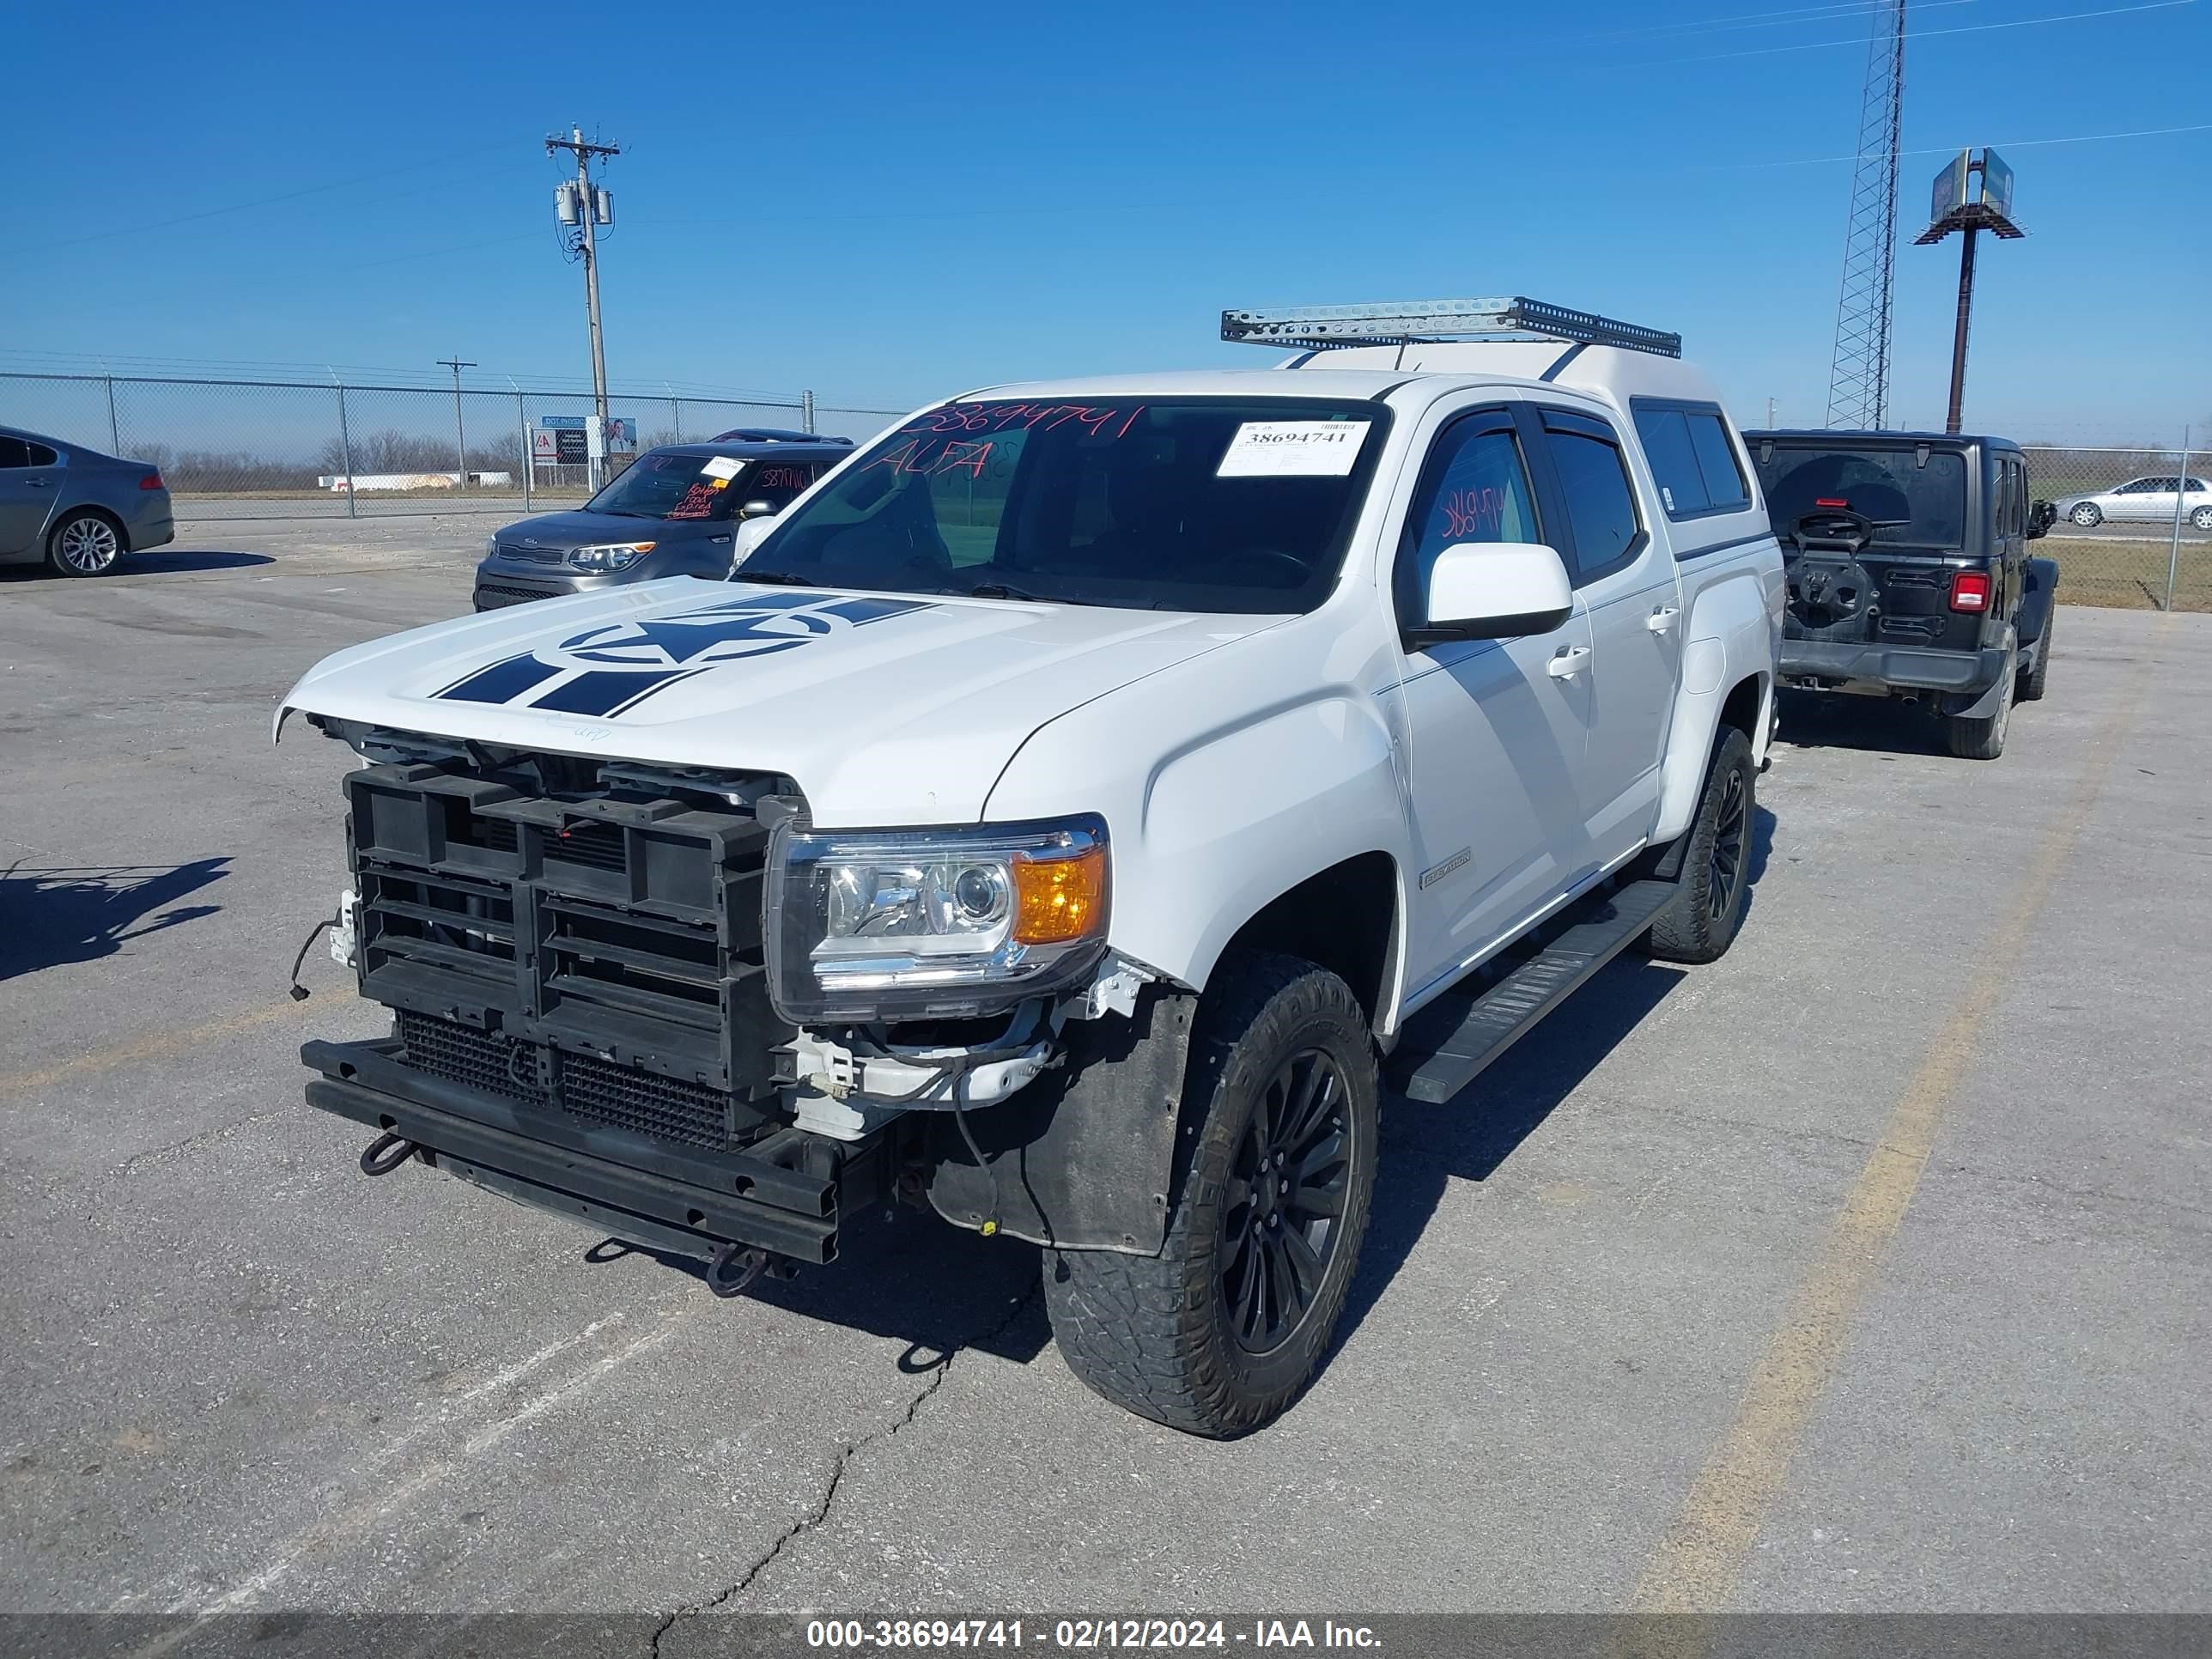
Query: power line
x: 260, y: 201
x: 1796, y: 17
x: 1918, y: 34
x: 1953, y: 149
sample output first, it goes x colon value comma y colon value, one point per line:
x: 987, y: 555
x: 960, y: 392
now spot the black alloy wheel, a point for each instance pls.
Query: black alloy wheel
x: 1731, y: 827
x: 1282, y: 1213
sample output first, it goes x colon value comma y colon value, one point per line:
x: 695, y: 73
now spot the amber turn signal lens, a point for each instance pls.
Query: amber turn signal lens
x: 1058, y: 899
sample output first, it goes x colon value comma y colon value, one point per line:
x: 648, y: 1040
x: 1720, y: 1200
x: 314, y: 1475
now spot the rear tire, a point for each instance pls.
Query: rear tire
x: 2030, y: 689
x: 85, y: 544
x: 2088, y: 515
x: 1218, y: 1334
x: 1716, y: 879
x: 2202, y: 518
x: 1983, y: 738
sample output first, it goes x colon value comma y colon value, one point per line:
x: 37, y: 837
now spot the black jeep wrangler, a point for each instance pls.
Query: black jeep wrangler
x: 1907, y: 554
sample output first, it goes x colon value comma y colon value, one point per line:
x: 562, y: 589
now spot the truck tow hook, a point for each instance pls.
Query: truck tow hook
x: 732, y: 1269
x: 386, y: 1153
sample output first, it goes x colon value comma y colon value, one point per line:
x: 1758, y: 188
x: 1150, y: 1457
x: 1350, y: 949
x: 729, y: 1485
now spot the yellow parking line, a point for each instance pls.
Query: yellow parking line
x: 1700, y: 1561
x: 156, y: 1045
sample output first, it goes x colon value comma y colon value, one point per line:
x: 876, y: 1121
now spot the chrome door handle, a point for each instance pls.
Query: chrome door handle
x: 1568, y: 663
x: 35, y: 483
x: 1662, y: 620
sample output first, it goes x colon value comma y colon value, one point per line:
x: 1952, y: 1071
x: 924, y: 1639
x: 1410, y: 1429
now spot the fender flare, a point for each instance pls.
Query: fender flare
x: 1731, y: 642
x: 2036, y: 599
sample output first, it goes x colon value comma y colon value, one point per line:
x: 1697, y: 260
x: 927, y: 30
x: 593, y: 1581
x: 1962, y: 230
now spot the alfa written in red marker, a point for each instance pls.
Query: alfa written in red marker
x: 933, y: 457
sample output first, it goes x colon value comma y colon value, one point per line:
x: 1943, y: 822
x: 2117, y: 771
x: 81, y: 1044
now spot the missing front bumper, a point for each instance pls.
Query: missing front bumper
x: 783, y: 1194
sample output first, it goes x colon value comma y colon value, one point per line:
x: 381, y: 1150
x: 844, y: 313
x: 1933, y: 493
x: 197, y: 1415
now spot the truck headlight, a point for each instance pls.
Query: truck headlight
x: 926, y: 923
x: 610, y: 555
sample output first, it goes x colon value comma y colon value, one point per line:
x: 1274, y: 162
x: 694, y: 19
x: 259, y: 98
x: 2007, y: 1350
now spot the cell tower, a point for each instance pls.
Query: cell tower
x: 1858, y: 375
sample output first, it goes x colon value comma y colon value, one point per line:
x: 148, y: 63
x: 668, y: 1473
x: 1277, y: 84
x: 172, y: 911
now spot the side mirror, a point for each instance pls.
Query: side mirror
x: 1494, y: 591
x: 2041, y: 515
x: 757, y: 510
x: 749, y: 534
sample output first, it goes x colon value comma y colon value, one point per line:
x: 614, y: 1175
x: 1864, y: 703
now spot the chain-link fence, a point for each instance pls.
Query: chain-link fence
x: 2135, y: 522
x: 244, y: 449
x: 255, y: 449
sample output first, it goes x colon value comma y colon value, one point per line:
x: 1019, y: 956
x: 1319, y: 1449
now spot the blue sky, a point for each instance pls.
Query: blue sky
x: 889, y: 202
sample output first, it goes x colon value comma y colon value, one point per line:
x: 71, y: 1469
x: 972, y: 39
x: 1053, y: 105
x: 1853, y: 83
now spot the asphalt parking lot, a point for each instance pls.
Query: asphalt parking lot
x: 1866, y: 1270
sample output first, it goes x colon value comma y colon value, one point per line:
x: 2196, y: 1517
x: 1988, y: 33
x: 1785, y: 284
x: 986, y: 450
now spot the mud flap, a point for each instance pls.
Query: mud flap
x: 1083, y: 1158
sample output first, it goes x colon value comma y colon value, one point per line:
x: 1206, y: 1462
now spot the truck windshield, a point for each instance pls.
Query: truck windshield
x: 1172, y: 504
x: 1910, y: 504
x: 663, y: 484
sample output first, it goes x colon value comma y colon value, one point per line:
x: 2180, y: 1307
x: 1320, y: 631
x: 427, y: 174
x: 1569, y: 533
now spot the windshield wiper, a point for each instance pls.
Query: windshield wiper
x: 1007, y: 591
x: 777, y: 578
x: 622, y: 513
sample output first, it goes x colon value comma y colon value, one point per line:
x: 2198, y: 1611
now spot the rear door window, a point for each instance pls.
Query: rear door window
x: 1593, y: 478
x: 14, y: 453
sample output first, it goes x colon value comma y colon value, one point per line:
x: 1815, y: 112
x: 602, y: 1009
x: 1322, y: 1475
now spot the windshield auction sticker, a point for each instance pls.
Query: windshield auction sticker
x: 720, y: 466
x: 1285, y: 449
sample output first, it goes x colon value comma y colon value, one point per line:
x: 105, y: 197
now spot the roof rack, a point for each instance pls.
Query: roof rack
x: 1418, y: 322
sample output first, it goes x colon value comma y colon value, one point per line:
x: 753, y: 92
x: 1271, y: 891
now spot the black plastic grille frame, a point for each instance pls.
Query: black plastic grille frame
x: 598, y: 846
x: 644, y: 1102
x: 628, y: 930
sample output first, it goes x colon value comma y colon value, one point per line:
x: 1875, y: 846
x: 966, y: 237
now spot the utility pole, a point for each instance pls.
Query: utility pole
x: 460, y: 438
x: 593, y: 208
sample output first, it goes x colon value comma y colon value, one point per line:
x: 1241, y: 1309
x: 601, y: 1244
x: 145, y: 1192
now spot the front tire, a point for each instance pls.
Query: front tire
x: 2088, y: 515
x: 1701, y: 923
x: 1983, y: 739
x: 85, y: 544
x: 1218, y: 1334
x: 2202, y: 518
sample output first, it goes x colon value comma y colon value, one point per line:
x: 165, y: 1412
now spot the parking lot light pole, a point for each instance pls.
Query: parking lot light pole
x: 460, y: 438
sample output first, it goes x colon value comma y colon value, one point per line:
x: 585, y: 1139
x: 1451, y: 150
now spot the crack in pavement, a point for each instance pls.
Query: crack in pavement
x: 846, y: 1456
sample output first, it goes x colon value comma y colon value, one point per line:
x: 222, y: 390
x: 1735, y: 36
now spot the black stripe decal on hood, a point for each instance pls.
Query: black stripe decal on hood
x: 501, y: 681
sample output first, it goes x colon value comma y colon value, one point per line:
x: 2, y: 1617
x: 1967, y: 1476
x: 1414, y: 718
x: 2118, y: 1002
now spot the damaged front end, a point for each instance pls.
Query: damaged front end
x: 581, y: 958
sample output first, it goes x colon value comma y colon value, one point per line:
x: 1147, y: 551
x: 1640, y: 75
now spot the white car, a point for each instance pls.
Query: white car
x: 2143, y: 499
x: 1068, y: 815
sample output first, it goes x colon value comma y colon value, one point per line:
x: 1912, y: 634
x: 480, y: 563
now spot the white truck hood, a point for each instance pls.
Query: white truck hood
x: 886, y: 708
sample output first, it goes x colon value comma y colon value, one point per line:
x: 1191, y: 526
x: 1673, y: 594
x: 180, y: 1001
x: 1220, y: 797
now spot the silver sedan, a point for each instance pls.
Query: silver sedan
x: 78, y: 510
x: 2139, y: 500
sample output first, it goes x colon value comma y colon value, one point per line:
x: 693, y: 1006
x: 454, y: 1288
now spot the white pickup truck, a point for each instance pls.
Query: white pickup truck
x: 1072, y: 814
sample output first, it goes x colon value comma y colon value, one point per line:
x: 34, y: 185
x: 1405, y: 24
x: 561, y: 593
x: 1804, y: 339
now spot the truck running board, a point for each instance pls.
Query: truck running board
x: 1446, y: 1046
